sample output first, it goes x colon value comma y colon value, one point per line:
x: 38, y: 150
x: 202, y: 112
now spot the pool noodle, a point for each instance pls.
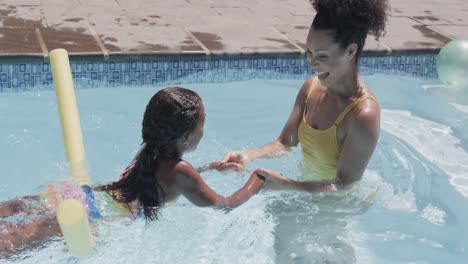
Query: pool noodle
x: 69, y: 118
x: 71, y: 214
x: 73, y: 222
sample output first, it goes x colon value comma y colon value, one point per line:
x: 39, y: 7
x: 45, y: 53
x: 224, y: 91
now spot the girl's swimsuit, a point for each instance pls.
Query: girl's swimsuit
x: 98, y: 204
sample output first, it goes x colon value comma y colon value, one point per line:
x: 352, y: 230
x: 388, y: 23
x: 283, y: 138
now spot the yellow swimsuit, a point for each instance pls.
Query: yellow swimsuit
x: 320, y: 148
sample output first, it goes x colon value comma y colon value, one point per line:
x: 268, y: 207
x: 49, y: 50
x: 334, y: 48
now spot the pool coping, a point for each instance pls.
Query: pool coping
x: 109, y: 29
x: 128, y: 34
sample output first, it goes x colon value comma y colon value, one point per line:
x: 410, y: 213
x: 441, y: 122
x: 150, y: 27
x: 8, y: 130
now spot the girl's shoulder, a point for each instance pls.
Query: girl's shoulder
x: 185, y: 167
x: 187, y: 176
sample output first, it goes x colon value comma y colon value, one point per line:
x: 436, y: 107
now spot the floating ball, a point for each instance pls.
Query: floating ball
x: 452, y: 64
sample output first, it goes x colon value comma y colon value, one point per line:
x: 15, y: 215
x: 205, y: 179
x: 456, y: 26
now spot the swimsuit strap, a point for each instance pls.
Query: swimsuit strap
x: 312, y: 86
x: 350, y: 107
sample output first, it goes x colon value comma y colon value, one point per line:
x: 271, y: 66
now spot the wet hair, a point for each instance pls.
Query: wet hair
x: 170, y: 116
x: 351, y: 20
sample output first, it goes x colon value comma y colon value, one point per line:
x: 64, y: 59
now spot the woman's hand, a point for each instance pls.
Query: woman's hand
x: 220, y: 165
x: 232, y: 160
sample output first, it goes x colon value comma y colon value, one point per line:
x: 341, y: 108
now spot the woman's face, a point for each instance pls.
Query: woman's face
x: 330, y: 62
x: 194, y: 138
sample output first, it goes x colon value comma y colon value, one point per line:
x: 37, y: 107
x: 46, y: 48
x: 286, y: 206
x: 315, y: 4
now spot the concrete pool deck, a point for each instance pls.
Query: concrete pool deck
x: 107, y: 28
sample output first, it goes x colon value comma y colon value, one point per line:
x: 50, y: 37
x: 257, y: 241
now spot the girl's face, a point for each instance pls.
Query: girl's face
x: 194, y: 138
x: 330, y: 62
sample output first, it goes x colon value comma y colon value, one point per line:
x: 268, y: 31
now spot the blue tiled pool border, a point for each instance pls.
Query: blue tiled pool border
x: 24, y: 75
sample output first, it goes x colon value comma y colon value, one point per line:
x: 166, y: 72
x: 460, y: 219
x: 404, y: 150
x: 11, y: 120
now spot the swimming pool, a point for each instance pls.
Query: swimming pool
x: 419, y: 167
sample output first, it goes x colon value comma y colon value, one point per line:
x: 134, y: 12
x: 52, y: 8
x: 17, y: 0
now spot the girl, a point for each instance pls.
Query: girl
x: 172, y: 125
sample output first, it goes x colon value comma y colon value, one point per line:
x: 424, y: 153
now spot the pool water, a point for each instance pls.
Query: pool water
x: 420, y: 169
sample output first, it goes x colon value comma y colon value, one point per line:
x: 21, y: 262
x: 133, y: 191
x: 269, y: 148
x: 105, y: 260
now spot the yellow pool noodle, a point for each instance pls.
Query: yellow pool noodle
x: 72, y: 219
x: 69, y: 118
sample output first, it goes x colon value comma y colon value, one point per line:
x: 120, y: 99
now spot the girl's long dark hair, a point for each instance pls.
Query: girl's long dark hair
x: 170, y: 116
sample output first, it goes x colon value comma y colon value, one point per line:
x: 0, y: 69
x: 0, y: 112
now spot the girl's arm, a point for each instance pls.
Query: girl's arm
x: 191, y: 185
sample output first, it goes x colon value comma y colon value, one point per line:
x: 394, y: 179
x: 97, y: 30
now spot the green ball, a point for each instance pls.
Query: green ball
x: 452, y: 64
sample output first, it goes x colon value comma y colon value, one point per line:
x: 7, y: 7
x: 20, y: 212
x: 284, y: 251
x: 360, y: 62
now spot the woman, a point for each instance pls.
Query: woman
x: 336, y: 117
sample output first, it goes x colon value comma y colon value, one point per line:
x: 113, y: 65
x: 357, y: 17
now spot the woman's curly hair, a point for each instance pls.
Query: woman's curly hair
x: 351, y: 20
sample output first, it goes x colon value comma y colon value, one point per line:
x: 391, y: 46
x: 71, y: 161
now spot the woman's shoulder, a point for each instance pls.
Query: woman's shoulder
x: 305, y: 88
x: 310, y: 79
x: 308, y: 83
x: 367, y: 113
x: 370, y: 106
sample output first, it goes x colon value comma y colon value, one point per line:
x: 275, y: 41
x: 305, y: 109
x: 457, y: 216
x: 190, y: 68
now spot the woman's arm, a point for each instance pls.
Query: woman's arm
x: 288, y: 137
x: 276, y: 181
x: 191, y: 185
x: 358, y: 147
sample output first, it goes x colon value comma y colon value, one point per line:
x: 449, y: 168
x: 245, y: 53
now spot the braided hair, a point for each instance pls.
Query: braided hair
x: 170, y: 116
